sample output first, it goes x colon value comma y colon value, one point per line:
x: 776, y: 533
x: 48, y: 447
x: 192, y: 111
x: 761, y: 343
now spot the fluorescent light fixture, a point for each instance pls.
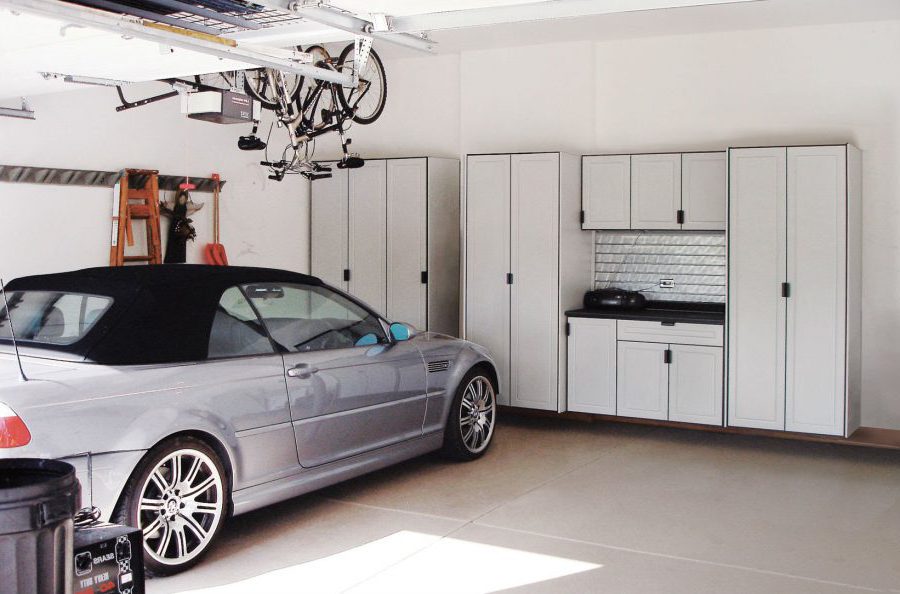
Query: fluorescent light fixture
x: 24, y: 113
x: 84, y: 80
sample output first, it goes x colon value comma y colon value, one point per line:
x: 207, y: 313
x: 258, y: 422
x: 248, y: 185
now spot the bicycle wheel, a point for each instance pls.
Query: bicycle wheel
x: 256, y: 83
x: 366, y: 99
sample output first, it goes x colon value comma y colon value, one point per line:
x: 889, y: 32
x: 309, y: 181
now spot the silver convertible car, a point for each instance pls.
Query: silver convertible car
x: 183, y: 394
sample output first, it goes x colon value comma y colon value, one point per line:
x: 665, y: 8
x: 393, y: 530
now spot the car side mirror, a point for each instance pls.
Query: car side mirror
x: 400, y: 332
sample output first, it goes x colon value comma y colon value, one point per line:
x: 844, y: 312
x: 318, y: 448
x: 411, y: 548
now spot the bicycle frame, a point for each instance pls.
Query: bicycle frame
x: 298, y: 123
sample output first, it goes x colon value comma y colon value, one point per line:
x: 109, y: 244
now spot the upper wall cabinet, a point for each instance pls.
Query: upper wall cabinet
x: 606, y: 192
x: 703, y: 188
x: 654, y: 191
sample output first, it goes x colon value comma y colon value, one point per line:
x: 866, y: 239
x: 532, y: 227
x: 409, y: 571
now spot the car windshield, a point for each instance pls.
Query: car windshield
x: 49, y: 317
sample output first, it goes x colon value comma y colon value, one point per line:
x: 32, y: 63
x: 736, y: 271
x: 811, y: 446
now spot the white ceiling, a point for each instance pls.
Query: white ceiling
x: 30, y: 44
x: 761, y: 14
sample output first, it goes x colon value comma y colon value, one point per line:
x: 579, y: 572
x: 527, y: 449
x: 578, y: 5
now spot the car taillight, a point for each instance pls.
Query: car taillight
x: 13, y: 432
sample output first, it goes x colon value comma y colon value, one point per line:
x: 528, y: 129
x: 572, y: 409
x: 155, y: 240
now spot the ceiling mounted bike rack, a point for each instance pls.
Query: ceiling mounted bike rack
x: 180, y: 36
x: 317, y: 11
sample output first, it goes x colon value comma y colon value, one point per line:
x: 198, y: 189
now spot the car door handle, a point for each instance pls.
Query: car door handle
x: 302, y: 371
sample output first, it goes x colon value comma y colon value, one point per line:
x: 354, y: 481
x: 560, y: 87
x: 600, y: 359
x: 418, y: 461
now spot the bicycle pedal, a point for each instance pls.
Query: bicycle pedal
x: 351, y: 163
x: 251, y: 143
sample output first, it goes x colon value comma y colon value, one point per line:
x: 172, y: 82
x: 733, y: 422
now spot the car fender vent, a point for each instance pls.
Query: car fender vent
x: 436, y: 366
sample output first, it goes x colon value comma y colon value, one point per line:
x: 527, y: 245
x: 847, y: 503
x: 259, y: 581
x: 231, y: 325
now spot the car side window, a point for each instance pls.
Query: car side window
x: 304, y: 318
x: 236, y: 330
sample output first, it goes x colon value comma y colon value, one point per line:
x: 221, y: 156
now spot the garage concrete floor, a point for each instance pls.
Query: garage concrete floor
x: 565, y: 506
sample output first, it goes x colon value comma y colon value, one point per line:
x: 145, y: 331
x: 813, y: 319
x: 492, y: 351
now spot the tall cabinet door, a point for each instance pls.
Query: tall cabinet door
x: 703, y: 190
x: 643, y: 380
x: 606, y: 192
x: 534, y: 253
x: 328, y: 228
x: 655, y: 191
x: 407, y: 241
x: 756, y: 271
x: 487, y: 259
x: 367, y: 229
x: 817, y: 272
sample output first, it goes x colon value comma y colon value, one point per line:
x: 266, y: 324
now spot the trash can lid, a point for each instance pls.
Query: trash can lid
x: 24, y: 479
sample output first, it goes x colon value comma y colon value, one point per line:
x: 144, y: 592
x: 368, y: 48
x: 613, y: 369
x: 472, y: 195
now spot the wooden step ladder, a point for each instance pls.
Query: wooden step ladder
x: 136, y: 204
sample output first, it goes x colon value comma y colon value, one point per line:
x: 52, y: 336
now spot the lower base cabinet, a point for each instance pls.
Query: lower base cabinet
x: 696, y: 384
x: 592, y: 366
x: 643, y: 379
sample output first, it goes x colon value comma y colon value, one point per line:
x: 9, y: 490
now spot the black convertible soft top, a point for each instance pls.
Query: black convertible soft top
x: 160, y: 314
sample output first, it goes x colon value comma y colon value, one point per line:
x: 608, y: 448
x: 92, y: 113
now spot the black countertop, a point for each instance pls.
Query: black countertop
x: 660, y: 311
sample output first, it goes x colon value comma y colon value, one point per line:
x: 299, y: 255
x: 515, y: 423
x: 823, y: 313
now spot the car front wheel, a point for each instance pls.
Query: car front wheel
x: 470, y: 425
x: 177, y: 497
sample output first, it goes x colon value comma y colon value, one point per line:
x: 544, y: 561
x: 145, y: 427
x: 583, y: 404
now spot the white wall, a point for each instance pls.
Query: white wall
x: 421, y: 116
x: 822, y: 84
x: 54, y: 228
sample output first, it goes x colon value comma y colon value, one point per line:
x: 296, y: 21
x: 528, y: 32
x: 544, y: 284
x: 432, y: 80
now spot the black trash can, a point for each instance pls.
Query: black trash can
x: 38, y: 499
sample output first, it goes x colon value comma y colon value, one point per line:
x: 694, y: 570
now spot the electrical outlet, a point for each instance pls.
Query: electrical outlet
x: 666, y: 283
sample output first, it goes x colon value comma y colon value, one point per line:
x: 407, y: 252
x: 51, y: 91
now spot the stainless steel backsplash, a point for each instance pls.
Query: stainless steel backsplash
x: 638, y: 260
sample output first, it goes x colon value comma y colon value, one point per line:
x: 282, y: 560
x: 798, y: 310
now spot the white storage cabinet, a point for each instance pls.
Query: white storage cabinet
x: 794, y: 289
x: 388, y: 234
x: 655, y: 191
x: 526, y: 262
x: 647, y: 370
x: 671, y: 371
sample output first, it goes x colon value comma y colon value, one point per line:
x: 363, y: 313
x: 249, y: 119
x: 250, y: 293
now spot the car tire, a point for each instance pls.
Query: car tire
x: 473, y: 415
x: 178, y: 495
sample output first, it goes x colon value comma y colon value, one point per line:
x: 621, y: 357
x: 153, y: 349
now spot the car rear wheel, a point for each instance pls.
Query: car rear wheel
x: 178, y: 497
x: 470, y: 425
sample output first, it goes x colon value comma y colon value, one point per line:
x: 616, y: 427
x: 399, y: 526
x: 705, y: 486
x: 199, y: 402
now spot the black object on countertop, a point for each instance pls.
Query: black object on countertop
x: 617, y: 298
x: 684, y: 312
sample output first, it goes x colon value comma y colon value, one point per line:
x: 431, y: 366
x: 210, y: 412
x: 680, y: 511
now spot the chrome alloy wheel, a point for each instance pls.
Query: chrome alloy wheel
x: 181, y: 505
x: 476, y: 414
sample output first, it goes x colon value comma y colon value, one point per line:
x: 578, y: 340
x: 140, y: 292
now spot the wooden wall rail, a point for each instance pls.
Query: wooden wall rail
x: 22, y: 174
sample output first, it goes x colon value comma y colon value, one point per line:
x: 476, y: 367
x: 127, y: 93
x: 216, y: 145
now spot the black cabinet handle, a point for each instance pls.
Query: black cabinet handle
x: 667, y: 356
x: 785, y: 289
x: 509, y: 278
x: 346, y: 274
x: 680, y: 217
x: 424, y: 277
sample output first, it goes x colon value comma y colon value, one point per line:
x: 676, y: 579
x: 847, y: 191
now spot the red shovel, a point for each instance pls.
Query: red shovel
x: 215, y: 252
